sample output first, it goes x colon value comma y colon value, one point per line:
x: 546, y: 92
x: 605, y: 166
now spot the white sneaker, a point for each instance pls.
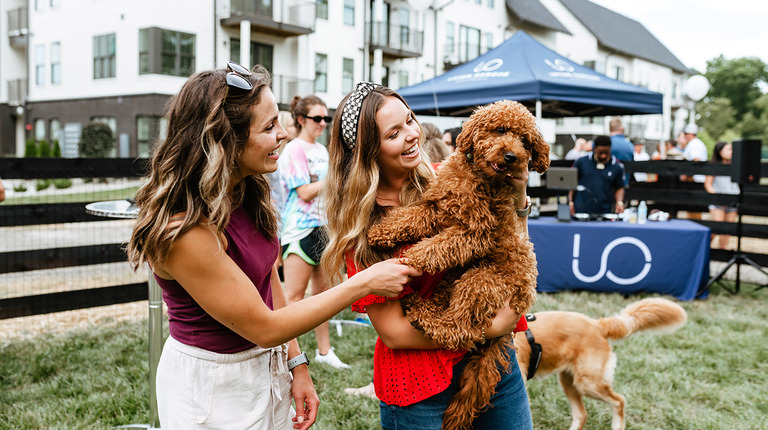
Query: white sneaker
x: 367, y: 391
x: 330, y: 359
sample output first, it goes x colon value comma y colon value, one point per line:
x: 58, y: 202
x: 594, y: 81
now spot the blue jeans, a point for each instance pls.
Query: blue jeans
x: 510, y: 408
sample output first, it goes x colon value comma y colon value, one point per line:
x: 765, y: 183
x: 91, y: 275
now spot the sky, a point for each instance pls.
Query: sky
x: 699, y: 30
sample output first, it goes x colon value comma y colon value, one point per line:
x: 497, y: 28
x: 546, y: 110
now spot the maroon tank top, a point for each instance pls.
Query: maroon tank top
x: 255, y: 255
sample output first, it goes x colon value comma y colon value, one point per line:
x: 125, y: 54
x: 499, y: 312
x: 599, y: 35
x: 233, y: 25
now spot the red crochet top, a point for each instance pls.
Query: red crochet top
x: 405, y: 376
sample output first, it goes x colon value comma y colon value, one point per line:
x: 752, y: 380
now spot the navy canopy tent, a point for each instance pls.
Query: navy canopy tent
x: 522, y: 69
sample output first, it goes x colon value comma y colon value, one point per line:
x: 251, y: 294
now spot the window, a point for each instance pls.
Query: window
x: 54, y: 129
x: 38, y: 4
x: 39, y: 129
x: 405, y: 29
x: 322, y: 9
x: 55, y: 4
x: 489, y: 41
x: 591, y: 64
x: 56, y: 62
x: 260, y: 54
x: 166, y: 52
x: 347, y: 75
x: 491, y: 4
x: 618, y: 73
x: 178, y: 53
x: 469, y: 41
x: 40, y: 64
x: 149, y: 129
x: 321, y: 73
x: 450, y: 37
x: 385, y: 76
x: 144, y: 51
x: 403, y: 78
x: 349, y: 12
x: 104, y: 56
x: 112, y: 123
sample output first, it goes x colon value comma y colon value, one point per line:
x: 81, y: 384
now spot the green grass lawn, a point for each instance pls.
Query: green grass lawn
x: 66, y: 197
x: 710, y: 374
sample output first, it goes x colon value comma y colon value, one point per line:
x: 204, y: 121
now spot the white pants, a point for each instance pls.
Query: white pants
x: 199, y: 389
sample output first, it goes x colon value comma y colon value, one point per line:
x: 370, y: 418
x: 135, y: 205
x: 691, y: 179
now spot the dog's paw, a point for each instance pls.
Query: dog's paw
x: 422, y: 259
x: 380, y: 237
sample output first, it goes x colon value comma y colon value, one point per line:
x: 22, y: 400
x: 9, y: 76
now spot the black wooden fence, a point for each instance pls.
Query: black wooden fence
x: 13, y: 262
x: 668, y: 194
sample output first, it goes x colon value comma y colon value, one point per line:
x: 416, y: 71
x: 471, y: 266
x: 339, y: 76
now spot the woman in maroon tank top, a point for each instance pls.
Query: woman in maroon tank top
x: 208, y: 229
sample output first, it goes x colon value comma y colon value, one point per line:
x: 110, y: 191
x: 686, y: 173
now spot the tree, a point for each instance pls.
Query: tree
x: 738, y: 80
x: 736, y: 105
x: 56, y: 149
x: 716, y: 116
x: 96, y: 140
x: 43, y: 149
x: 30, y: 149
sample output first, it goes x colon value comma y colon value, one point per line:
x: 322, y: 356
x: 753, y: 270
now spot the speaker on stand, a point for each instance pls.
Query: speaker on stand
x: 745, y: 169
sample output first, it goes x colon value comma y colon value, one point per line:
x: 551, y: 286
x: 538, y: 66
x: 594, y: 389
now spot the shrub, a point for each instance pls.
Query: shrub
x: 56, y: 149
x: 62, y: 183
x: 20, y: 188
x: 96, y: 140
x: 43, y: 149
x: 42, y: 184
x: 30, y: 150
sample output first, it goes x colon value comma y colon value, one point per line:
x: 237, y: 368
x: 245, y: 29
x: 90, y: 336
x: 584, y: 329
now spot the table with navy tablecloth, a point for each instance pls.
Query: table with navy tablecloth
x: 670, y: 258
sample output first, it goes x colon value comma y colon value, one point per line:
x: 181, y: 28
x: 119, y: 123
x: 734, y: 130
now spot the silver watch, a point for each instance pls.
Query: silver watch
x: 527, y: 210
x: 298, y: 360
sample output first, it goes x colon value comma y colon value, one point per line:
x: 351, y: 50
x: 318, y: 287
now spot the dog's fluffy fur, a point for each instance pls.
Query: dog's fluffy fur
x: 466, y: 225
x: 577, y: 348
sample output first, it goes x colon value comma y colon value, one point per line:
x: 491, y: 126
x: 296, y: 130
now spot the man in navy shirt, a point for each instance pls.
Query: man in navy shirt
x: 601, y: 181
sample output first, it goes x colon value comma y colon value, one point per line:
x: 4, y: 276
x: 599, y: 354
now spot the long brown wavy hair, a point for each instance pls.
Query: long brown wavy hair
x: 350, y: 188
x: 192, y: 170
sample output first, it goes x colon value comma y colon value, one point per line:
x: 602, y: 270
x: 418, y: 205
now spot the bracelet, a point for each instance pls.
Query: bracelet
x: 482, y: 337
x: 620, y: 202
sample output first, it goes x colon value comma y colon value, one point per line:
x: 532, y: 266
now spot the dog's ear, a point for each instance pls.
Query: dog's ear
x: 539, y: 153
x: 465, y: 140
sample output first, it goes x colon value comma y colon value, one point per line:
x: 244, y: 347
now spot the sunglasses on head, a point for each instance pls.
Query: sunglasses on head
x: 319, y: 118
x: 237, y: 76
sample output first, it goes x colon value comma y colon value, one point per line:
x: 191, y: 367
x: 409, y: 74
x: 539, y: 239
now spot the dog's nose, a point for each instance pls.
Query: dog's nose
x: 510, y: 157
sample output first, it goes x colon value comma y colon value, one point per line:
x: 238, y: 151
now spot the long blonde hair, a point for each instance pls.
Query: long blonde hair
x: 350, y: 187
x: 192, y: 170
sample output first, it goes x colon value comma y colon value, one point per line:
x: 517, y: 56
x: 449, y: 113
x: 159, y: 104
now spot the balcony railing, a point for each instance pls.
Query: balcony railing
x: 18, y: 26
x: 284, y: 18
x: 395, y: 40
x: 17, y: 92
x: 285, y: 87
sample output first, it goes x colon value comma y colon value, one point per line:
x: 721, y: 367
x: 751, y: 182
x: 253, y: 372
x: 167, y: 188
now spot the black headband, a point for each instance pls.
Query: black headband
x: 350, y: 115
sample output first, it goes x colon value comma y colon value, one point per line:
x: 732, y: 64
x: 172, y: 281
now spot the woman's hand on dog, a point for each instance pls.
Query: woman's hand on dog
x: 387, y: 278
x: 520, y: 183
x: 503, y: 323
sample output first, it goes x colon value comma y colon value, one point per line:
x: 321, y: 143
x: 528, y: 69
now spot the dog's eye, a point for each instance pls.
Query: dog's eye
x: 501, y: 130
x: 525, y: 141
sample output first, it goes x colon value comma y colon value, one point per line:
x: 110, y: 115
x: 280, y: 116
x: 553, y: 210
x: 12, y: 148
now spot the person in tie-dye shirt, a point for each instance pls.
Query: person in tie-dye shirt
x: 303, y: 166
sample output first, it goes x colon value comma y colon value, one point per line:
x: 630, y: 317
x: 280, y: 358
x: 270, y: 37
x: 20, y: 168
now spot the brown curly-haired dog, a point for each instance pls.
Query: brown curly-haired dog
x: 466, y: 225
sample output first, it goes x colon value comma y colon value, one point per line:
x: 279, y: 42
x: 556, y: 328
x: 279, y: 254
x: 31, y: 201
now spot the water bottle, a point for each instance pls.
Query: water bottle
x: 642, y: 213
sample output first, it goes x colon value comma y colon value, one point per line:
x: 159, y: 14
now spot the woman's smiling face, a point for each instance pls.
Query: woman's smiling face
x: 260, y: 153
x: 399, y: 133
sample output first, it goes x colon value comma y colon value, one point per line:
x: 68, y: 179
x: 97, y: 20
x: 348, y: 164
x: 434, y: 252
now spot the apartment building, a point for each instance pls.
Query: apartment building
x: 66, y: 63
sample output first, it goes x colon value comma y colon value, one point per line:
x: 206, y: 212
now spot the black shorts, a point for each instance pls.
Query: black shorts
x: 310, y: 248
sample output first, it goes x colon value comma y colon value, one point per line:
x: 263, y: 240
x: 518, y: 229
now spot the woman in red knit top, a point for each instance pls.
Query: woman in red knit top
x: 375, y: 164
